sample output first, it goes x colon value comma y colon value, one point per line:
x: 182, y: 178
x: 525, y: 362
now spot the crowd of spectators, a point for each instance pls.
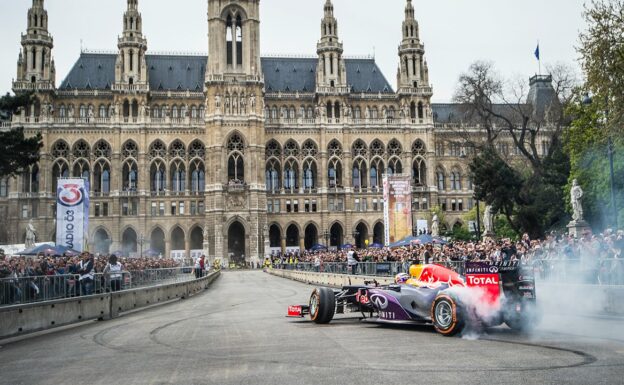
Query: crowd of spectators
x: 592, y: 258
x: 27, y: 279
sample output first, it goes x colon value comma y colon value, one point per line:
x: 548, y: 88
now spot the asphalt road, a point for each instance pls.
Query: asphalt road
x: 236, y: 333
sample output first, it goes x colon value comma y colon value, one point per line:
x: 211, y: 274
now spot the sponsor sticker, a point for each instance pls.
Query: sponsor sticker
x: 294, y: 311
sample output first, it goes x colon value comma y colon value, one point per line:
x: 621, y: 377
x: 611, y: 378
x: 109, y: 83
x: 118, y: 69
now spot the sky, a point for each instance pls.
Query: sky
x: 456, y: 33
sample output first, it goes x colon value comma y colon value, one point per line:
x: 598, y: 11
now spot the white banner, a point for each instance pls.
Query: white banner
x: 72, y: 213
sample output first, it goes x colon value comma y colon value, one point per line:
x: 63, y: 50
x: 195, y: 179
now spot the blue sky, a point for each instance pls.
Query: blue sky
x: 455, y: 32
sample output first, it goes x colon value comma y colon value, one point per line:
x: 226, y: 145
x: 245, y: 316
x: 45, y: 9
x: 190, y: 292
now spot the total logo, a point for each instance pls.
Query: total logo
x: 70, y: 195
x: 481, y: 281
x: 379, y: 301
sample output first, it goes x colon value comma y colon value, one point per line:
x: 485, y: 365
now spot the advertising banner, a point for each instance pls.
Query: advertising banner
x: 72, y: 213
x: 397, y: 207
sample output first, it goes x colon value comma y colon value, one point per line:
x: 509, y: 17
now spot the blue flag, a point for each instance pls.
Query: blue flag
x: 537, y: 52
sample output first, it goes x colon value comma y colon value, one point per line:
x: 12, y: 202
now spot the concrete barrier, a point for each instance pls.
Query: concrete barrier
x: 22, y: 319
x: 328, y: 279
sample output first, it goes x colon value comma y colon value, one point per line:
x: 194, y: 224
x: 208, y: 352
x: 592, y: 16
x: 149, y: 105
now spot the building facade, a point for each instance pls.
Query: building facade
x: 232, y: 153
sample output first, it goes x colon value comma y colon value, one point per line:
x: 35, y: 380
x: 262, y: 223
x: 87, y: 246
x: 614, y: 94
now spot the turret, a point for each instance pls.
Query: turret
x: 331, y: 70
x: 35, y: 65
x: 131, y: 67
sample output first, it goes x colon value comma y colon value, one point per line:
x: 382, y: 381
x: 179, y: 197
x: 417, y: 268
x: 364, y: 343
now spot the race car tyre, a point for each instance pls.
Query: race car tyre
x: 447, y: 316
x: 322, y: 305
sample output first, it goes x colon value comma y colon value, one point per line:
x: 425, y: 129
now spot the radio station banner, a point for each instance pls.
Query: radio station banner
x: 397, y: 207
x: 72, y: 213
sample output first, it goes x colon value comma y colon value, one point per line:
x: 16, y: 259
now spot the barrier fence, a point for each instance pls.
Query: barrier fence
x: 585, y: 271
x: 20, y: 290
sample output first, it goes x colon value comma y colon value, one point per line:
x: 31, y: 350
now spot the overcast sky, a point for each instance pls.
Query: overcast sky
x: 455, y: 32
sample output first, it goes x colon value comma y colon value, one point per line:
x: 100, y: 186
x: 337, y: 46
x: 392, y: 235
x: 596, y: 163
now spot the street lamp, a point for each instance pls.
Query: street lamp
x: 141, y: 241
x: 587, y: 100
x: 355, y: 238
x: 326, y: 234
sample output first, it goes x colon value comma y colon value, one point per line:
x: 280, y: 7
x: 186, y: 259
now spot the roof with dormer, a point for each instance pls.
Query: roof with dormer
x: 179, y: 72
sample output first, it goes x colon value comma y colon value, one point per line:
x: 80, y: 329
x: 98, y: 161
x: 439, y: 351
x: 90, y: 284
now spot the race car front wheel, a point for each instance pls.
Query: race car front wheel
x: 322, y: 305
x: 446, y: 315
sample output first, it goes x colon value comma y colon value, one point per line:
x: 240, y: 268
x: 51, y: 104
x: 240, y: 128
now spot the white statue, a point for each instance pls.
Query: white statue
x: 435, y: 226
x: 576, y: 193
x: 31, y: 235
x: 488, y: 220
x: 90, y: 113
x: 252, y: 102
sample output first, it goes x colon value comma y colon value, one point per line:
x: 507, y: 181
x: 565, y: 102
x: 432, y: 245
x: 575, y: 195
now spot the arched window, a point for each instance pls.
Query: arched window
x: 174, y: 112
x: 273, y: 149
x: 421, y: 113
x: 229, y: 39
x: 239, y: 41
x: 83, y: 111
x: 309, y: 174
x: 157, y: 150
x: 101, y: 177
x: 291, y: 175
x: 59, y: 170
x: 413, y: 110
x: 419, y: 172
x: 103, y: 111
x: 236, y: 164
x: 130, y: 176
x: 178, y: 176
x: 359, y: 148
x: 158, y: 177
x: 358, y: 179
x: 4, y: 187
x: 291, y: 148
x: 62, y: 111
x: 198, y: 177
x: 273, y: 175
x: 81, y: 170
x: 197, y: 150
x: 394, y: 166
x: 334, y: 149
x: 441, y: 180
x: 126, y: 109
x: 395, y: 148
x: 330, y: 110
x: 334, y: 173
x: 456, y: 180
x: 376, y: 173
x: 177, y: 150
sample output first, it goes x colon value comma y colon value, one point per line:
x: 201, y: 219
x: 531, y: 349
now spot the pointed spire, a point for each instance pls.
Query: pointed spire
x: 409, y: 10
x: 329, y: 9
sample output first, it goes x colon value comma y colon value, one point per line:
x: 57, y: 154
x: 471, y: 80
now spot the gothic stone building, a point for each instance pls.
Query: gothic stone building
x: 233, y: 153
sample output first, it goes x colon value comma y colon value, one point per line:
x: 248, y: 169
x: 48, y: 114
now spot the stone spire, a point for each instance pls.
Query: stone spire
x: 331, y: 70
x: 131, y: 67
x: 35, y: 65
x: 413, y: 72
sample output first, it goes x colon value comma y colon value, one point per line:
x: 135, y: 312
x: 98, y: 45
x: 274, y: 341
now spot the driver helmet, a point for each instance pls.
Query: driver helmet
x: 401, y: 278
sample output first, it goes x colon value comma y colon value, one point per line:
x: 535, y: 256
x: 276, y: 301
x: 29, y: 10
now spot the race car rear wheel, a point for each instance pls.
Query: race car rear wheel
x: 322, y: 305
x: 446, y: 315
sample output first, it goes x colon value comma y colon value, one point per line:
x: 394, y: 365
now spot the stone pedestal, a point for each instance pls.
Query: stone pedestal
x: 577, y: 228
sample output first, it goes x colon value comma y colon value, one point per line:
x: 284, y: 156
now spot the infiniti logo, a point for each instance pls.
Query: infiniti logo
x: 380, y: 301
x: 493, y: 269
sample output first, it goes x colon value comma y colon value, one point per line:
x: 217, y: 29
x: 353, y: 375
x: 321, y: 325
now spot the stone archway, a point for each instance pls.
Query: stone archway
x: 311, y: 236
x: 361, y: 236
x: 101, y: 242
x: 336, y: 236
x: 379, y: 235
x: 237, y: 243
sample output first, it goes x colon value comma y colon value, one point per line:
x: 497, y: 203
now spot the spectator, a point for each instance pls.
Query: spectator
x: 86, y: 270
x: 114, y: 269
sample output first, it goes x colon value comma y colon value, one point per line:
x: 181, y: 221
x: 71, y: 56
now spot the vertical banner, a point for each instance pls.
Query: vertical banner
x: 397, y: 207
x: 72, y: 213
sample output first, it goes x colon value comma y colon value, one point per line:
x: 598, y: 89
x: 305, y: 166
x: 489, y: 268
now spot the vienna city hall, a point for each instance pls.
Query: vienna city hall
x: 233, y: 154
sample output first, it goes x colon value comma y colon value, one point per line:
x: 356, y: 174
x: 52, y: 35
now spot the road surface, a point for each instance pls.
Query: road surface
x: 236, y: 333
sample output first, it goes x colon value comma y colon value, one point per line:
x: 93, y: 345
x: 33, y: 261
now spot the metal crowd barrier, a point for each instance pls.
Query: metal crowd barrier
x: 19, y: 290
x: 578, y: 271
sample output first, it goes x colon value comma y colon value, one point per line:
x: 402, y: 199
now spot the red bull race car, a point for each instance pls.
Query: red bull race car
x: 488, y: 295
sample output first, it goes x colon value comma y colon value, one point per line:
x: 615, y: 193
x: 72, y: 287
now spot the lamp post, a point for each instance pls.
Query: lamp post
x: 587, y: 100
x: 326, y: 234
x: 355, y: 238
x: 141, y: 241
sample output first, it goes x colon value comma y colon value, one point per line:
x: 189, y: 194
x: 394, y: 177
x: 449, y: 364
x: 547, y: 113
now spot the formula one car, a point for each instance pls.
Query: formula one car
x: 488, y: 295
